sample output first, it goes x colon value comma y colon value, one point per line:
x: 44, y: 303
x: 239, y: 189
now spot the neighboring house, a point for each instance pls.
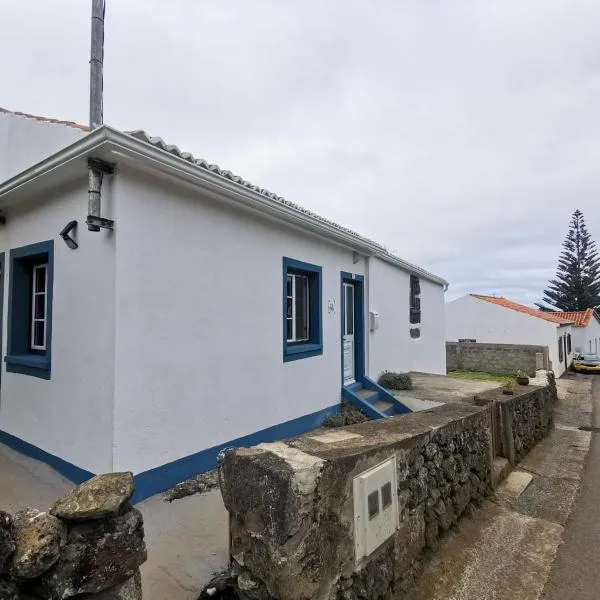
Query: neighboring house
x: 25, y: 140
x: 215, y: 314
x: 586, y: 330
x: 496, y: 320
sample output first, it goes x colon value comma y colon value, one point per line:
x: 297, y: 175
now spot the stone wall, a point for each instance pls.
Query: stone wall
x: 291, y: 504
x: 90, y: 544
x: 495, y: 358
x: 524, y: 419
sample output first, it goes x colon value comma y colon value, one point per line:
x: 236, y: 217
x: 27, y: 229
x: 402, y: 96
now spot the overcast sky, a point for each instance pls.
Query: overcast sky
x: 460, y: 134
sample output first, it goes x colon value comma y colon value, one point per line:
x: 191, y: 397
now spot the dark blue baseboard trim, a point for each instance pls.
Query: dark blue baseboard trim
x: 162, y: 478
x: 67, y: 469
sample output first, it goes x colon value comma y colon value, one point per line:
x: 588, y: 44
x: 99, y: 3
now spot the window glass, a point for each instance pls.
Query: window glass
x: 301, y: 307
x: 349, y: 307
x: 386, y: 495
x: 40, y: 279
x: 373, y: 504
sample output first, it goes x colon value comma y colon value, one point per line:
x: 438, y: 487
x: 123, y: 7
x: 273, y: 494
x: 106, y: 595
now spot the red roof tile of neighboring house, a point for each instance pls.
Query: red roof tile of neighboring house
x: 580, y: 318
x: 534, y: 312
x: 45, y: 119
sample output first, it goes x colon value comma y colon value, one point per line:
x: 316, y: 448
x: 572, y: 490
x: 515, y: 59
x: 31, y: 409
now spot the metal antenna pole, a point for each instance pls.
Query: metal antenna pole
x: 96, y: 63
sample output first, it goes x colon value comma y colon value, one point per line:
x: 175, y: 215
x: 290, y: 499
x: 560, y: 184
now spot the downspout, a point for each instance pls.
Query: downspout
x: 97, y: 168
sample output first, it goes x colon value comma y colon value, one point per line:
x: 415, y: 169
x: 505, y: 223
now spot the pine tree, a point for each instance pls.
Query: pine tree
x: 577, y: 283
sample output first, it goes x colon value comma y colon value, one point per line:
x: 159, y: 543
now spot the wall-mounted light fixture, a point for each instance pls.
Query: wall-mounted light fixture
x: 71, y: 226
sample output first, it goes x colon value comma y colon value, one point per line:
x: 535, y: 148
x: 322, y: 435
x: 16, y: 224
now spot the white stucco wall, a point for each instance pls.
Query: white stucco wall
x: 390, y: 347
x: 199, y: 357
x: 587, y: 339
x: 25, y: 141
x: 69, y: 415
x: 471, y: 318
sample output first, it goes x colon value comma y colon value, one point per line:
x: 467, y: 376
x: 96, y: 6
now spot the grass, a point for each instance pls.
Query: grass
x: 482, y: 376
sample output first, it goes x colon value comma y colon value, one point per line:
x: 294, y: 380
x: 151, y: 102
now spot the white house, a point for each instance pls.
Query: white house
x: 204, y: 312
x: 586, y: 330
x: 496, y: 320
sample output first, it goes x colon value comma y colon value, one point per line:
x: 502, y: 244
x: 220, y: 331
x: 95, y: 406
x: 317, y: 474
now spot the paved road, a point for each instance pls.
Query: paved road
x: 576, y: 570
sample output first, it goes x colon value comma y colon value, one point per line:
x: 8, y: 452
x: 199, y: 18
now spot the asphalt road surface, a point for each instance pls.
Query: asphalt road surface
x: 575, y: 573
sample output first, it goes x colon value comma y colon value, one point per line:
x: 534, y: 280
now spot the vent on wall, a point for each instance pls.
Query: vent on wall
x: 375, y: 507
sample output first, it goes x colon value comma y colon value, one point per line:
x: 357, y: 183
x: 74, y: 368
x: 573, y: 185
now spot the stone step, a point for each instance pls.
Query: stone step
x: 500, y: 469
x: 366, y: 394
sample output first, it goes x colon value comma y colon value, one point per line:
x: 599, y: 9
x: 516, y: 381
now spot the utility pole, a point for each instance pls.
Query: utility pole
x: 96, y: 63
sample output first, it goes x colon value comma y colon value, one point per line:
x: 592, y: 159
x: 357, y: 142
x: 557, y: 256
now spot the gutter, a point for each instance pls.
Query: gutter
x: 110, y: 139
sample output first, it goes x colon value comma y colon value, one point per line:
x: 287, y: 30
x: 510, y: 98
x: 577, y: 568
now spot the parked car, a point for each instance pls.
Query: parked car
x: 586, y: 363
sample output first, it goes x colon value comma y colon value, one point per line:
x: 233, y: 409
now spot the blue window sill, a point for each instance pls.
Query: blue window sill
x: 28, y: 364
x: 301, y: 351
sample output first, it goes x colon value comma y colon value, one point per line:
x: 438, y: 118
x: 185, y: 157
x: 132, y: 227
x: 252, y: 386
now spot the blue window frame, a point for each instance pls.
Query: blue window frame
x: 30, y: 310
x: 302, y: 310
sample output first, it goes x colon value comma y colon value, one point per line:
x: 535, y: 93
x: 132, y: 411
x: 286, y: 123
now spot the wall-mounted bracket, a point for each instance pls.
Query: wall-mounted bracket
x: 99, y: 223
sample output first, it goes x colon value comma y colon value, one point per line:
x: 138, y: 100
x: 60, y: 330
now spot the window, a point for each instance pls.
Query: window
x: 373, y: 504
x: 39, y: 307
x: 415, y: 300
x: 297, y: 307
x: 568, y: 343
x: 302, y: 323
x: 560, y: 349
x: 386, y: 495
x: 30, y: 310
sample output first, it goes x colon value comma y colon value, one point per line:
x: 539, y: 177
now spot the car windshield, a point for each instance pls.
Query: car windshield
x: 590, y: 357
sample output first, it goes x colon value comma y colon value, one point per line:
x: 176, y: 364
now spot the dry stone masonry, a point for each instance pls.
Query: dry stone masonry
x: 292, y: 511
x: 90, y: 544
x: 294, y: 524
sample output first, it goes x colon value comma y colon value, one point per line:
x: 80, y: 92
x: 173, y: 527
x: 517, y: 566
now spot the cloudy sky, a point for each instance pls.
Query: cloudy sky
x: 460, y: 134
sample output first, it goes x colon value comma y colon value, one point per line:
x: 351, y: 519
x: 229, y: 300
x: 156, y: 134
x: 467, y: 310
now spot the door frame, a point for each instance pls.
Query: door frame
x: 2, y: 279
x: 359, y: 324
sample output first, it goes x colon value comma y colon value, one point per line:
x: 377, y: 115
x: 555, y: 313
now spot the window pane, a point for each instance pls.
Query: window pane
x: 349, y: 309
x: 289, y: 307
x: 386, y: 495
x: 301, y: 301
x: 289, y: 284
x: 40, y: 279
x: 38, y: 333
x: 290, y: 332
x: 39, y: 302
x: 373, y: 504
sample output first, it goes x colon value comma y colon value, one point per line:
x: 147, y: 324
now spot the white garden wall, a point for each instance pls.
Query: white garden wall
x: 199, y: 356
x: 69, y: 415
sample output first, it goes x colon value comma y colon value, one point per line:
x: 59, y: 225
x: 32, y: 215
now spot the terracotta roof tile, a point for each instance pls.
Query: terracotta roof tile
x: 45, y: 119
x: 580, y: 318
x: 534, y: 312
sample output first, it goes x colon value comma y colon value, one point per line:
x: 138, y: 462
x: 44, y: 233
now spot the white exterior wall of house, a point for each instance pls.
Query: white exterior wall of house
x: 587, y: 339
x: 70, y: 415
x: 199, y: 349
x: 471, y: 318
x: 25, y: 141
x: 390, y: 347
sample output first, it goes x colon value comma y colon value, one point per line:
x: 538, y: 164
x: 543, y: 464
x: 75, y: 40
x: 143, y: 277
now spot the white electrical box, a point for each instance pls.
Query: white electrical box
x: 375, y: 507
x: 373, y: 320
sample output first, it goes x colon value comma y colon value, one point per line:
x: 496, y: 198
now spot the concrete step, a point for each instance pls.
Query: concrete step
x: 383, y: 406
x: 500, y: 469
x: 367, y: 394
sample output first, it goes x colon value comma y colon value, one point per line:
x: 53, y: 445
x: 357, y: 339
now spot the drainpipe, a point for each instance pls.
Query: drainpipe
x: 97, y: 168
